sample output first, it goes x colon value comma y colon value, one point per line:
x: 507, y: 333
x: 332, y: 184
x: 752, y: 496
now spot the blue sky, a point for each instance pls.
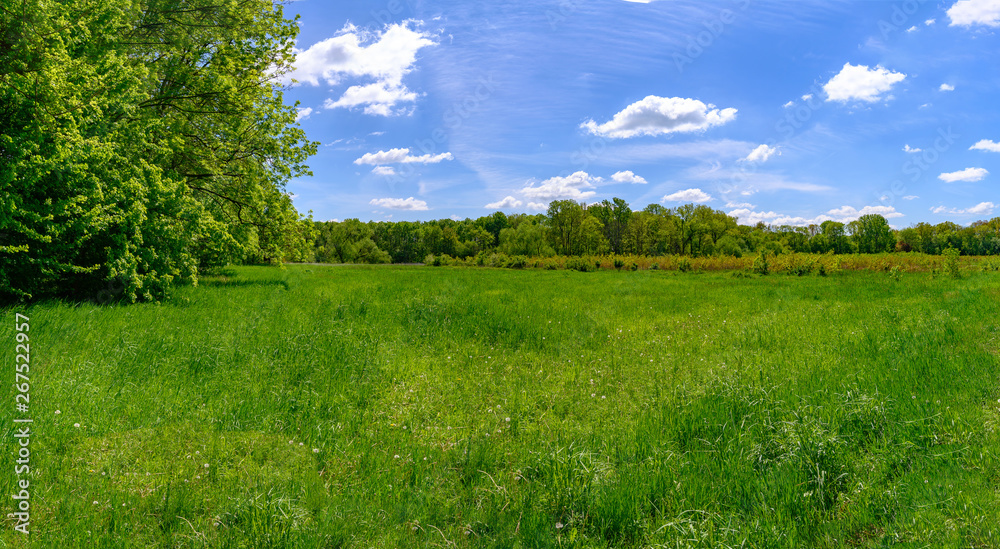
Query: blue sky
x: 783, y: 112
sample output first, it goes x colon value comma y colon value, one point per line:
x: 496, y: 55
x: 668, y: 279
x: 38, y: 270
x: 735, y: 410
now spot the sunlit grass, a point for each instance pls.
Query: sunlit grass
x: 419, y: 406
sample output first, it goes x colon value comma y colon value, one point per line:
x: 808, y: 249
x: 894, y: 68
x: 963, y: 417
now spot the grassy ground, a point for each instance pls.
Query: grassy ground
x: 419, y: 406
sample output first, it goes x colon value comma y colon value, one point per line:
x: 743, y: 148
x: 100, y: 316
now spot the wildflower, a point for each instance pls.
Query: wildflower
x: 96, y: 502
x: 559, y: 526
x: 58, y: 412
x: 206, y: 466
x: 315, y: 450
x: 507, y: 419
x: 77, y: 425
x: 303, y: 443
x: 396, y: 456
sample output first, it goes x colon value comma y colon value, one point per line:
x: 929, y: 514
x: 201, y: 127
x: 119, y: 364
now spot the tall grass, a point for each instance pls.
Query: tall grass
x: 413, y: 407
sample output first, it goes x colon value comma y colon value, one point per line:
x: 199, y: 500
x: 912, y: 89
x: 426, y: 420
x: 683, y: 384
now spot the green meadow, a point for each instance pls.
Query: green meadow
x: 388, y: 406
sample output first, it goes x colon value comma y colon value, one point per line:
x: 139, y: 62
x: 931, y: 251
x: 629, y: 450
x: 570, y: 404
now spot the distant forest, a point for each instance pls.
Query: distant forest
x: 570, y: 228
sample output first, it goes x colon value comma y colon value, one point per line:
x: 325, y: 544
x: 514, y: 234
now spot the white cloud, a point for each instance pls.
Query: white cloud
x: 385, y: 57
x: 911, y: 197
x: 909, y: 149
x: 378, y: 99
x: 384, y: 171
x: 761, y: 154
x: 400, y: 203
x: 986, y: 145
x: 912, y: 29
x: 745, y: 205
x: 929, y: 22
x: 661, y: 115
x: 844, y: 214
x: 537, y: 206
x: 966, y: 13
x: 970, y: 175
x: 401, y: 156
x: 302, y: 114
x: 509, y: 202
x: 628, y: 177
x: 688, y: 195
x: 807, y: 97
x: 861, y: 83
x: 789, y: 104
x: 570, y: 187
x: 946, y: 88
x: 983, y: 208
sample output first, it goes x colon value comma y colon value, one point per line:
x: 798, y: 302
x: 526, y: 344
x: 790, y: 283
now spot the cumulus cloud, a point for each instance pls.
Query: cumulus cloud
x: 807, y: 97
x: 745, y: 205
x: 969, y: 175
x: 789, y: 104
x: 302, y: 114
x: 628, y: 177
x: 688, y: 195
x: 946, y: 88
x: 983, y: 208
x: 570, y: 187
x: 861, y: 83
x: 844, y: 214
x: 384, y: 171
x: 909, y: 149
x: 400, y: 156
x: 661, y: 115
x: 966, y: 13
x: 537, y: 206
x: 929, y: 22
x: 383, y: 58
x: 912, y: 29
x: 509, y: 202
x: 379, y: 98
x: 400, y: 203
x: 986, y: 145
x: 761, y: 154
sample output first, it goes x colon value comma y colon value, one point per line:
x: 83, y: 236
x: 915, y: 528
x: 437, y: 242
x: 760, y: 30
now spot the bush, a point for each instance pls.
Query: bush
x: 684, y: 264
x: 518, y: 262
x: 895, y: 273
x: 760, y: 264
x: 951, y: 262
x: 619, y: 263
x: 654, y: 267
x: 579, y: 264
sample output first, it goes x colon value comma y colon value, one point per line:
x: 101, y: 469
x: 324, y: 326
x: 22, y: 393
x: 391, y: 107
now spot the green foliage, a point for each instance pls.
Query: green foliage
x: 760, y: 263
x: 951, y: 262
x: 143, y: 142
x: 684, y: 265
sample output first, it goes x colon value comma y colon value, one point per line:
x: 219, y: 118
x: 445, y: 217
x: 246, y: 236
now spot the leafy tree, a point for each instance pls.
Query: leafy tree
x: 143, y: 142
x: 873, y: 234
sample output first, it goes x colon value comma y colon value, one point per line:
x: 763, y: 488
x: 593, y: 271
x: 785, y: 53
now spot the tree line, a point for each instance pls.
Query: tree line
x: 569, y: 228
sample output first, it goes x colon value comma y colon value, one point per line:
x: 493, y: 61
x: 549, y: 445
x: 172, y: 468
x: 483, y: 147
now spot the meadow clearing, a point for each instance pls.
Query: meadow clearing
x: 390, y: 406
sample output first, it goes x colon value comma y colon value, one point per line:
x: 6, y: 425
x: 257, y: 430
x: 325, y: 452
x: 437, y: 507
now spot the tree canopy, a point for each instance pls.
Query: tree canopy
x: 143, y: 142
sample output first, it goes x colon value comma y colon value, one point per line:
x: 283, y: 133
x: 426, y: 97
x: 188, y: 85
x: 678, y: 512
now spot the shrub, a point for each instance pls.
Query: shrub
x: 654, y: 267
x: 951, y: 262
x: 518, y: 262
x: 578, y: 264
x: 684, y: 264
x: 760, y: 264
x: 895, y: 273
x: 633, y: 266
x: 619, y: 263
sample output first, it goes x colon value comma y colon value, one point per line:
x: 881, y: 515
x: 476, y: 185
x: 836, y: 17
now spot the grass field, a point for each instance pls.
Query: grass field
x: 447, y: 407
